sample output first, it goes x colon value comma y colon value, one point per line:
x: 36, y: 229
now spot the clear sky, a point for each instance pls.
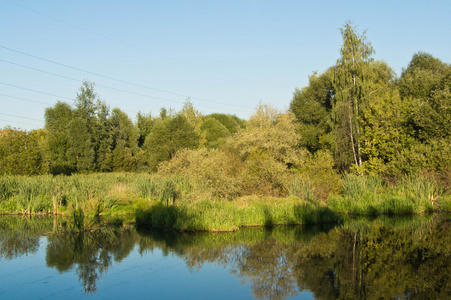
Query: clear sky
x: 226, y: 55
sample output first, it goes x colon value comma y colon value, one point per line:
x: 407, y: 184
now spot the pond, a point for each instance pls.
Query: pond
x: 406, y: 258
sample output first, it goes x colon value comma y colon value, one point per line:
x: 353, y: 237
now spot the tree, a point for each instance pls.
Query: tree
x: 312, y: 105
x: 104, y: 142
x: 426, y: 84
x: 144, y: 123
x: 422, y: 74
x: 23, y: 153
x: 268, y: 148
x: 94, y: 112
x: 213, y: 133
x: 57, y: 119
x: 125, y: 141
x: 231, y: 122
x: 81, y: 153
x: 352, y: 87
x: 169, y: 135
x: 192, y: 116
x: 384, y: 124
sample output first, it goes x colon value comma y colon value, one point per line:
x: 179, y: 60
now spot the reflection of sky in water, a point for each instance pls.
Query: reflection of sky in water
x: 151, y: 275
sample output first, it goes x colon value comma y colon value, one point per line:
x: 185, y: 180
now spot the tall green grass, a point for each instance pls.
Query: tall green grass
x: 207, y: 215
x: 372, y: 196
x: 181, y: 203
x: 114, y: 192
x: 301, y: 188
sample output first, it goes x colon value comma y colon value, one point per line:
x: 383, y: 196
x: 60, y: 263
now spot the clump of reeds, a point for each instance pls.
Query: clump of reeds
x: 302, y: 188
x: 371, y: 196
x: 207, y: 215
x: 163, y: 189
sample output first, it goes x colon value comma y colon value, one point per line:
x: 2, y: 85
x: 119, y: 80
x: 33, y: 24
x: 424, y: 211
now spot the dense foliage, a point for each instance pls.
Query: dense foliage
x: 90, y: 137
x: 373, y: 122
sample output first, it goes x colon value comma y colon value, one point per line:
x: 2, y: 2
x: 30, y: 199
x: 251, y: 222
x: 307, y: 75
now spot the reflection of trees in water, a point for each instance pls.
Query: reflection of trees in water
x: 267, y: 267
x: 20, y: 235
x: 360, y: 260
x: 377, y: 261
x: 91, y: 252
x: 255, y: 255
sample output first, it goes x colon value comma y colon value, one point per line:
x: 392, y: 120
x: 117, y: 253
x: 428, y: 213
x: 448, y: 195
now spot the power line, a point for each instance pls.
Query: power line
x: 21, y: 117
x: 35, y: 91
x: 24, y: 99
x: 110, y: 78
x: 39, y: 70
x: 19, y: 122
x: 45, y: 103
x: 112, y: 39
x: 104, y: 86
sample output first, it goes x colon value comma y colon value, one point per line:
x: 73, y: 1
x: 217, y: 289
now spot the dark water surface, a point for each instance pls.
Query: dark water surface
x: 404, y: 258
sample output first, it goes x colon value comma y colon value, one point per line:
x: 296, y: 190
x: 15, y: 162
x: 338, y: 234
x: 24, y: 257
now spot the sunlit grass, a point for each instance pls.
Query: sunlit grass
x: 181, y: 203
x: 371, y: 196
x: 224, y: 215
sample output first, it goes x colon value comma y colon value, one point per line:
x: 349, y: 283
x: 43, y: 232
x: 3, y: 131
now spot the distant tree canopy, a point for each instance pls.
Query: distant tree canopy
x: 90, y: 137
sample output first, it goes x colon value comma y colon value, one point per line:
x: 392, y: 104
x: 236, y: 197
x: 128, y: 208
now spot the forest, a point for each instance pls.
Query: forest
x: 356, y: 133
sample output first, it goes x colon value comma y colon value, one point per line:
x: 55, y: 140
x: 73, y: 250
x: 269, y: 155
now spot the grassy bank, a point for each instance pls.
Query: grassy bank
x: 364, y: 195
x: 207, y: 215
x: 183, y: 204
x: 111, y: 193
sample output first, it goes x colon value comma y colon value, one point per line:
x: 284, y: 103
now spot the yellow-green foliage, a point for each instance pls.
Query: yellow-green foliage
x: 257, y: 160
x: 23, y: 153
x: 214, y: 169
x: 319, y: 171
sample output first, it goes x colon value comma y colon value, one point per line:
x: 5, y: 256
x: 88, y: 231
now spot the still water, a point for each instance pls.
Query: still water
x: 404, y: 258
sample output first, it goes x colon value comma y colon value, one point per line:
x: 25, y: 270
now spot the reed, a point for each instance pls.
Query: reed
x: 49, y: 194
x: 302, y: 188
x: 207, y: 215
x: 371, y: 196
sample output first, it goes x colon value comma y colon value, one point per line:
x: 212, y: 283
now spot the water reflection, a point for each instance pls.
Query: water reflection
x: 20, y: 235
x: 407, y: 258
x: 91, y: 253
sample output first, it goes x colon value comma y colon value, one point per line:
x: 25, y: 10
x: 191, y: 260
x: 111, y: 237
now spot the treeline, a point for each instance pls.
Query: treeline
x: 356, y: 117
x: 90, y: 137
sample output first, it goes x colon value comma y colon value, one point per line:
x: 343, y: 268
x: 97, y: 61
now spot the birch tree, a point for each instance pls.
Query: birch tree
x: 352, y: 86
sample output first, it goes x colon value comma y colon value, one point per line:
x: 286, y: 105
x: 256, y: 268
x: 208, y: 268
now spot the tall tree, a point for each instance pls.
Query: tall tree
x: 57, y: 119
x: 351, y: 87
x: 93, y: 113
x: 81, y: 153
x: 125, y: 137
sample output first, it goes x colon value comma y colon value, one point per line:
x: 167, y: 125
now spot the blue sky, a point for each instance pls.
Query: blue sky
x: 226, y: 55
